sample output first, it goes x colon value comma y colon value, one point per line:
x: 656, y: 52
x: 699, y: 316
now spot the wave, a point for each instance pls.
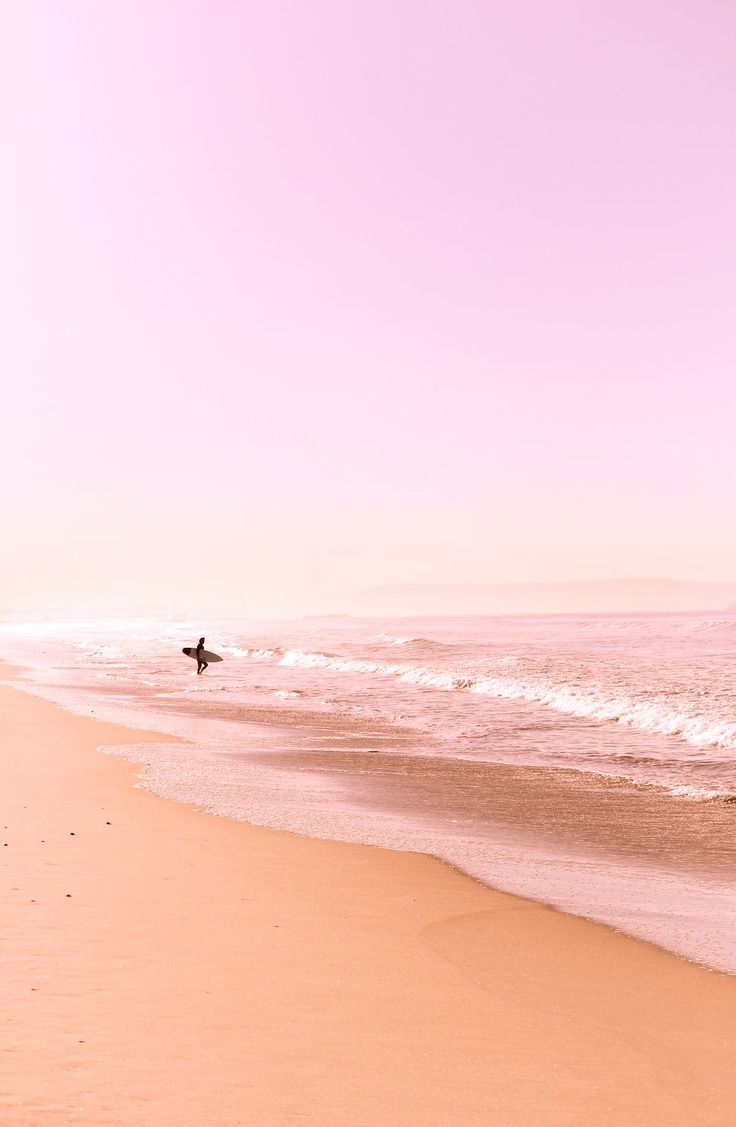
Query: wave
x: 590, y: 703
x: 700, y: 794
x: 653, y: 716
x: 677, y: 625
x: 421, y: 647
x: 395, y: 640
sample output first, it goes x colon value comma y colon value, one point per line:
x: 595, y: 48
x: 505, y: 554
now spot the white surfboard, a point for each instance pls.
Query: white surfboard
x: 191, y: 651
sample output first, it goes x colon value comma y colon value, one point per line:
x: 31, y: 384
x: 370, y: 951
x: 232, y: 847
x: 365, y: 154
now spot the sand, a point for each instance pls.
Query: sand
x: 161, y: 966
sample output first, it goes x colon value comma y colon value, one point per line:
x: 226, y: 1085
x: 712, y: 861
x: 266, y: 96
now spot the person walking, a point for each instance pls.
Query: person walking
x: 201, y: 663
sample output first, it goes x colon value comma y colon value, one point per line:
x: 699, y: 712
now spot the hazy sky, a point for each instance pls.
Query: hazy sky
x: 302, y: 297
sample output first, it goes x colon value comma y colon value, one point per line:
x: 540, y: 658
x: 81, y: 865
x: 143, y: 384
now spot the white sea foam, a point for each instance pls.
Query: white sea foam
x: 593, y: 703
x: 662, y: 676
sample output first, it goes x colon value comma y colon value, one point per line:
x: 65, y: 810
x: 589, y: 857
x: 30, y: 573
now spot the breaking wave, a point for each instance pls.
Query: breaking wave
x: 654, y: 715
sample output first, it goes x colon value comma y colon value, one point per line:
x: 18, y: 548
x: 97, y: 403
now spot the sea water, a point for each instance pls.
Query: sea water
x: 585, y: 761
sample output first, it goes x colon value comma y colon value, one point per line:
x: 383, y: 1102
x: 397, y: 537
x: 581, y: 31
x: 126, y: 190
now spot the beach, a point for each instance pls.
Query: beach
x: 165, y: 966
x: 581, y: 762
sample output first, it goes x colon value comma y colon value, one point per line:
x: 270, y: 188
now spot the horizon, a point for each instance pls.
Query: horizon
x: 306, y: 301
x: 622, y: 596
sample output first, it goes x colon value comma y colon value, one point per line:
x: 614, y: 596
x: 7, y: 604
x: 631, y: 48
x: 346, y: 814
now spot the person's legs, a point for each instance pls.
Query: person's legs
x: 204, y: 666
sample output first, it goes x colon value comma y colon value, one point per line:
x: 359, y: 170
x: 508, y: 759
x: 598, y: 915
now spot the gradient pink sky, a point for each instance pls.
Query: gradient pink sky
x: 299, y: 298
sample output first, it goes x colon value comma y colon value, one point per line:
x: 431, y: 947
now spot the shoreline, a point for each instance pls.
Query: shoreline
x: 167, y: 966
x: 627, y: 855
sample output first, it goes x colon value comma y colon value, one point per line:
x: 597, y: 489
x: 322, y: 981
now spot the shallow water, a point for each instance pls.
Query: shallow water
x: 583, y: 761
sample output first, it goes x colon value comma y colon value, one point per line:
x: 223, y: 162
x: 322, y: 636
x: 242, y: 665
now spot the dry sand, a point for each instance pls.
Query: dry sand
x: 161, y: 966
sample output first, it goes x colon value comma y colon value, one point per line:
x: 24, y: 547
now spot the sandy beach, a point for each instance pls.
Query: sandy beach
x: 163, y: 966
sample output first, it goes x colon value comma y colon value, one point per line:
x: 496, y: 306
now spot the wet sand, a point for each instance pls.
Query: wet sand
x: 162, y: 966
x: 596, y: 815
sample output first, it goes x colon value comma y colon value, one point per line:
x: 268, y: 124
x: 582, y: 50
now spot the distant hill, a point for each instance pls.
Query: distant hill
x: 594, y: 596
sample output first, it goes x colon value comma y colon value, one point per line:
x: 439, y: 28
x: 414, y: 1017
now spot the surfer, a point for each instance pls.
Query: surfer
x: 201, y: 663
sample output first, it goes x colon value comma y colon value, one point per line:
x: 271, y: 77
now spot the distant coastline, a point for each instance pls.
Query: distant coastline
x: 593, y: 596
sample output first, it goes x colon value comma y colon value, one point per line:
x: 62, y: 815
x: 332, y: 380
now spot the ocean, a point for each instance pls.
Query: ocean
x: 588, y: 762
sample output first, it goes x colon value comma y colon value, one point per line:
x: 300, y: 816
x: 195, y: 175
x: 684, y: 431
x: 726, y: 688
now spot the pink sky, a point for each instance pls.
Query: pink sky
x: 300, y: 298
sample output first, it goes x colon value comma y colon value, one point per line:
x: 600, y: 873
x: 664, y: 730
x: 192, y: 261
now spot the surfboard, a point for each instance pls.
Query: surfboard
x: 191, y: 651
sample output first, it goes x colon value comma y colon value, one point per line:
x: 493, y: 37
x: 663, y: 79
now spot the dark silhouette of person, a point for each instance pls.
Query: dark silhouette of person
x: 201, y: 663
